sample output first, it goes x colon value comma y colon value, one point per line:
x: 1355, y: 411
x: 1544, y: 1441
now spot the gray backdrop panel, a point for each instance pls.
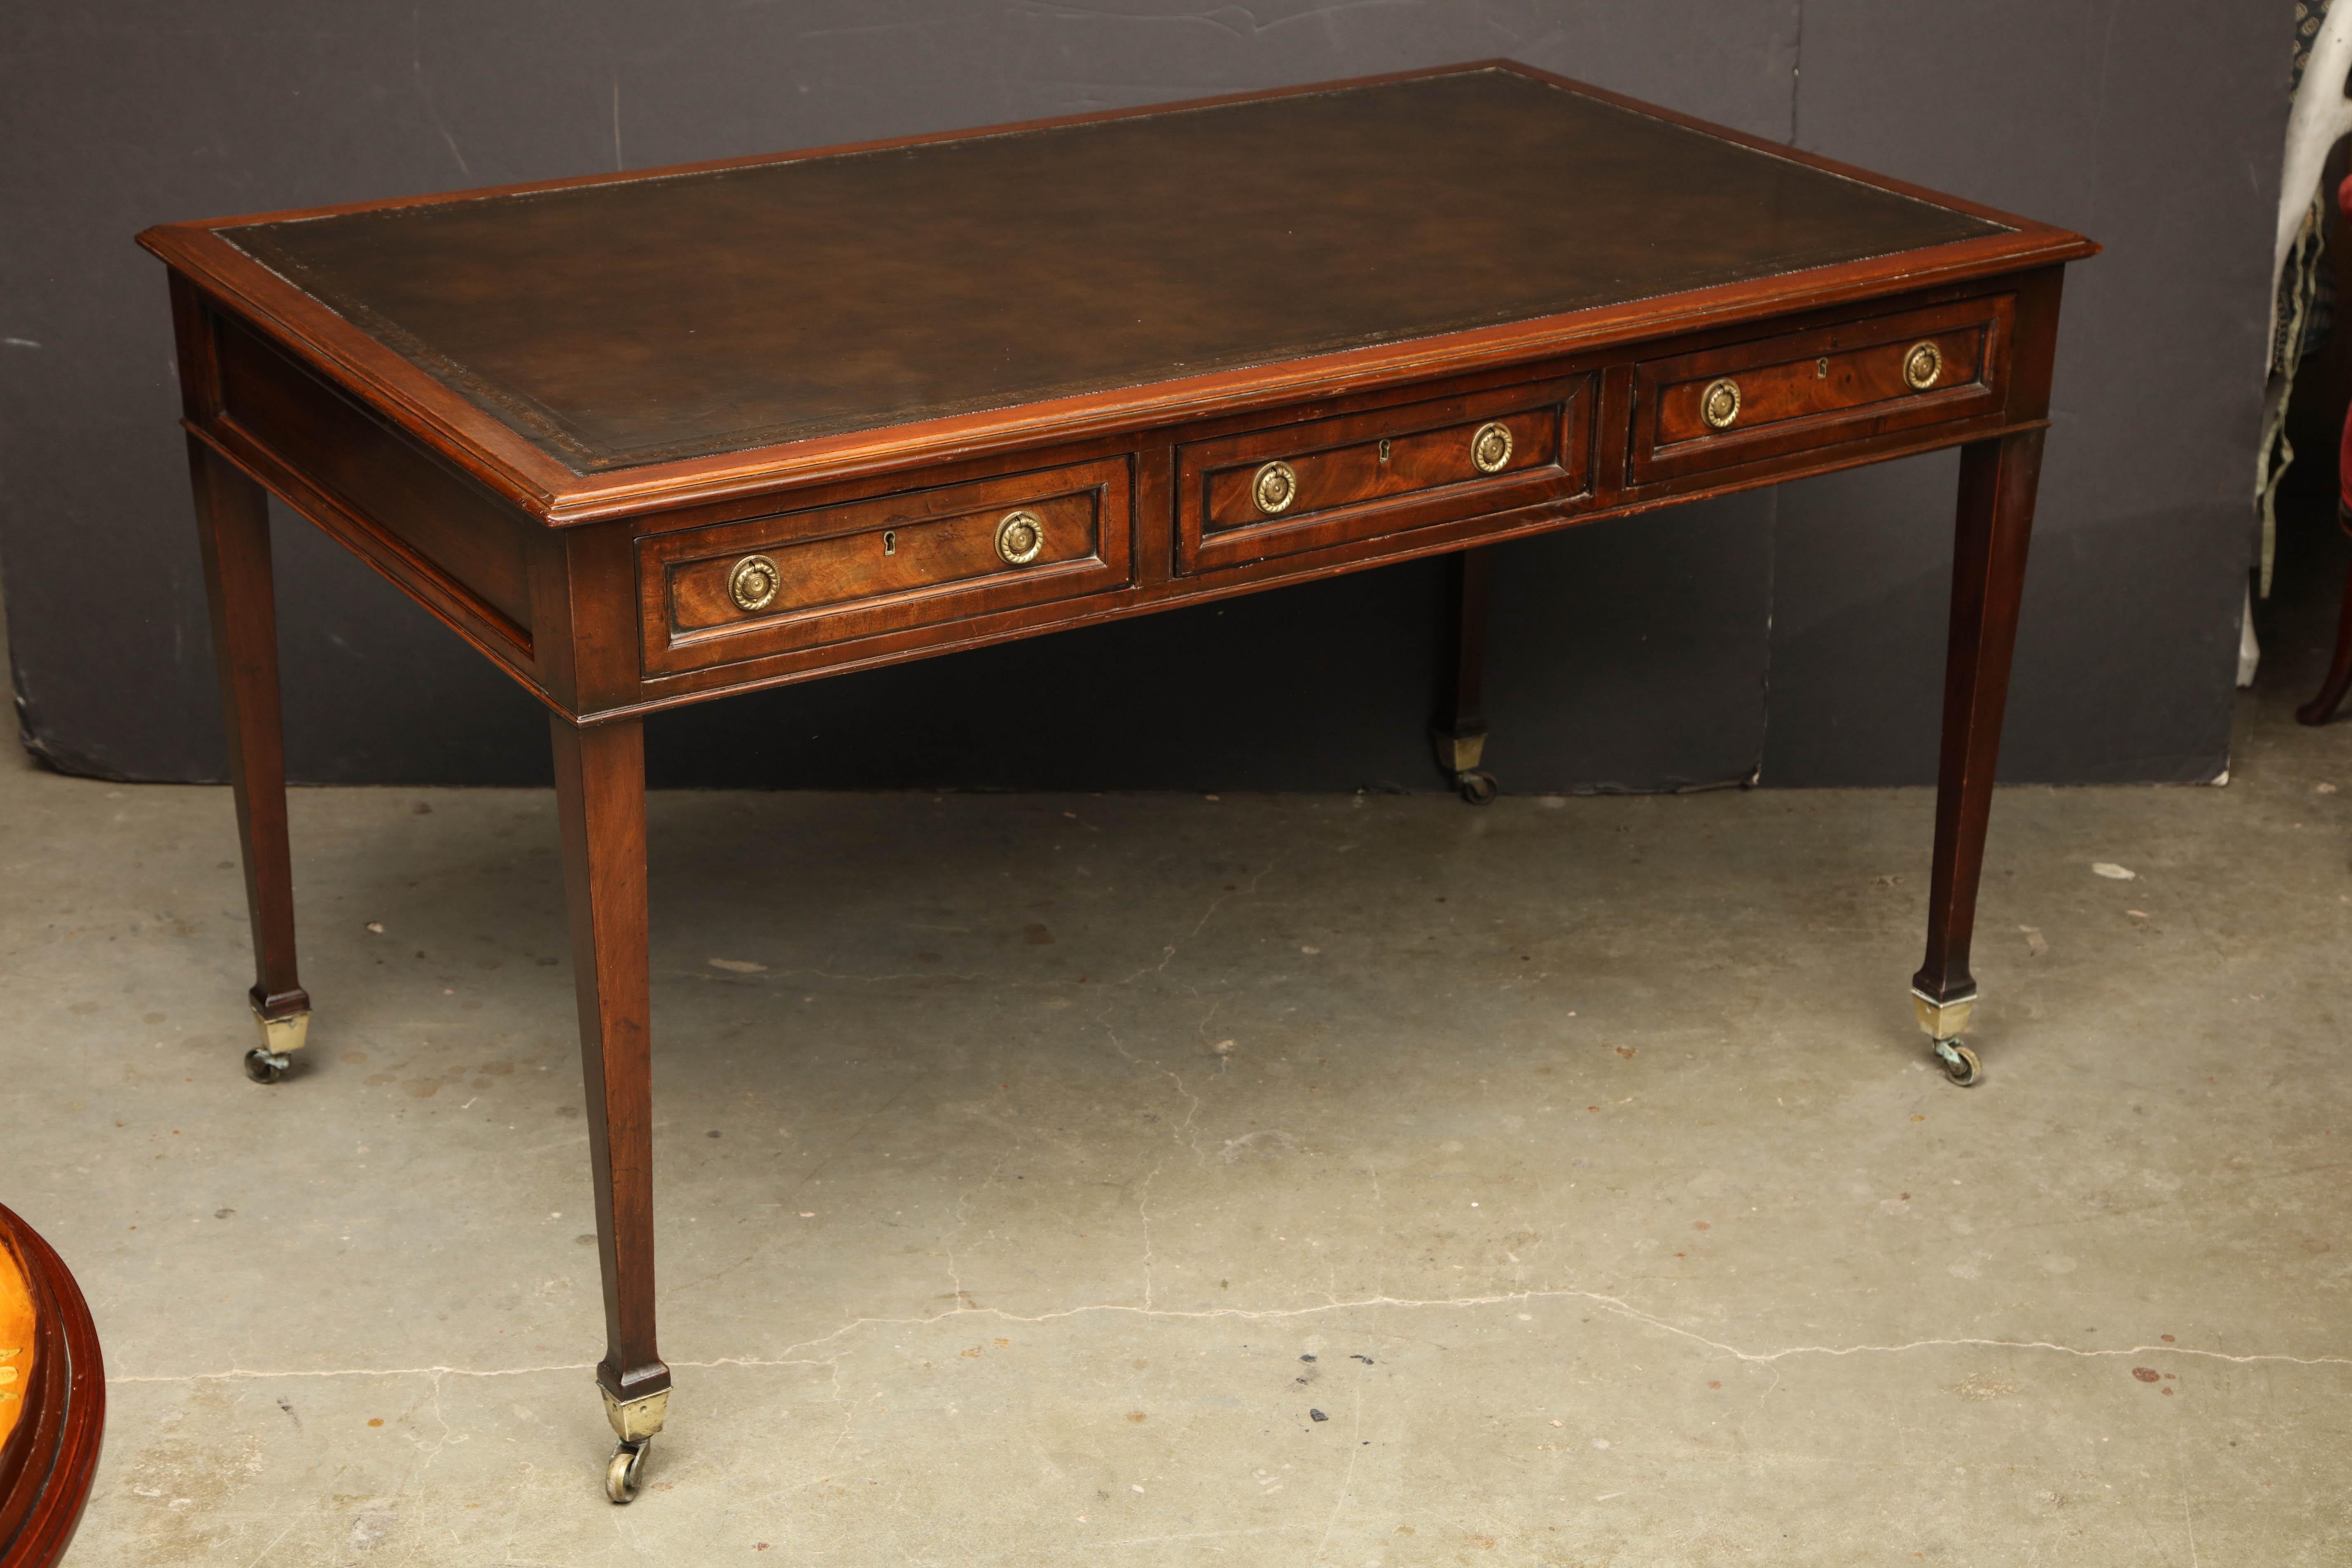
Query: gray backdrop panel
x: 2156, y: 131
x: 1797, y: 630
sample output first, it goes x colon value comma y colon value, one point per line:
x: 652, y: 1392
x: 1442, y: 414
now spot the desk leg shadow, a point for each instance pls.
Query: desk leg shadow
x: 1995, y: 522
x: 600, y: 792
x: 1459, y: 729
x: 233, y: 531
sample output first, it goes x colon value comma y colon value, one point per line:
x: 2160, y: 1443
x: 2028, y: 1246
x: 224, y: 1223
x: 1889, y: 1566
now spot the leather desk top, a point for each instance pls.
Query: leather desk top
x: 593, y: 327
x: 676, y: 315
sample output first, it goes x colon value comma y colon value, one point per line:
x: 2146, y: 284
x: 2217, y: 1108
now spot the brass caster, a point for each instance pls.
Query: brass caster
x: 1961, y: 1064
x: 1458, y: 756
x: 1943, y: 1022
x: 634, y: 1422
x: 281, y: 1038
x: 620, y: 1478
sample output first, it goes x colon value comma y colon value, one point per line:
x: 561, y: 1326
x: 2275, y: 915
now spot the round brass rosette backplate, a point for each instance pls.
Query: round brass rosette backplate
x: 1020, y: 537
x: 1490, y: 448
x: 1719, y: 403
x: 1275, y: 487
x: 753, y: 583
x: 1922, y: 365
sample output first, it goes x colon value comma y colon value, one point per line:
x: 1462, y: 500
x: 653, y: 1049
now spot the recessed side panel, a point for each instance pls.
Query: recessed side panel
x: 448, y: 533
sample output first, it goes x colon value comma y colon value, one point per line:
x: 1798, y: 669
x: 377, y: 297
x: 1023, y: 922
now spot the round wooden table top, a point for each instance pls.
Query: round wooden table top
x: 52, y: 1399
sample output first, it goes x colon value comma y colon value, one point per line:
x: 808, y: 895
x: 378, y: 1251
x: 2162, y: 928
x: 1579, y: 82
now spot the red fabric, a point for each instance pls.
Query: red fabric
x: 2344, y: 472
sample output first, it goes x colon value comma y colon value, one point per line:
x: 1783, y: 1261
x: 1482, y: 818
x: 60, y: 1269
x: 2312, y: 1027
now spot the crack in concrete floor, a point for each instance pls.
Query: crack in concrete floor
x: 1246, y: 1314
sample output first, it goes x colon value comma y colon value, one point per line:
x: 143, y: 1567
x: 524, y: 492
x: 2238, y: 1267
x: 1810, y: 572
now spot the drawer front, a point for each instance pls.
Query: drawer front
x: 829, y: 575
x: 1301, y: 487
x: 1751, y: 401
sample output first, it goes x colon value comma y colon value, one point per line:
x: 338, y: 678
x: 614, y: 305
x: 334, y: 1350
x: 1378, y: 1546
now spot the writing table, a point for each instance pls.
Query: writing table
x: 647, y: 439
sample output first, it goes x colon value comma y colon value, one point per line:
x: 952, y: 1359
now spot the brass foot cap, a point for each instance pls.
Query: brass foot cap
x: 635, y: 1420
x: 279, y: 1035
x: 1458, y: 754
x: 1943, y: 1020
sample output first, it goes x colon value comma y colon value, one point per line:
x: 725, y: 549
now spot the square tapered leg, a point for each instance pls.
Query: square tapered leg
x: 1995, y: 523
x: 233, y: 529
x: 1458, y: 731
x: 599, y: 789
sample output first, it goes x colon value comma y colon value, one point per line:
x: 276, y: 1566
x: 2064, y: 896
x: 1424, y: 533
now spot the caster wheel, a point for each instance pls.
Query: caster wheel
x: 1961, y: 1064
x: 266, y: 1066
x: 620, y: 1476
x: 1477, y: 787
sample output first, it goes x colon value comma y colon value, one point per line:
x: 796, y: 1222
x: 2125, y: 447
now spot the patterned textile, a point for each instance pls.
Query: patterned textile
x: 2308, y: 15
x: 2319, y: 310
x: 2319, y: 86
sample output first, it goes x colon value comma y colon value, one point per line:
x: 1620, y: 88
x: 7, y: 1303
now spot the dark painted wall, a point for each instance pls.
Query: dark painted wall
x: 1798, y: 629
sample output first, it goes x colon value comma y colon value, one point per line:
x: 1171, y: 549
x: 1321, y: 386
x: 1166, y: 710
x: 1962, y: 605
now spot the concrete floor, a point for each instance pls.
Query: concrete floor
x: 1256, y: 1180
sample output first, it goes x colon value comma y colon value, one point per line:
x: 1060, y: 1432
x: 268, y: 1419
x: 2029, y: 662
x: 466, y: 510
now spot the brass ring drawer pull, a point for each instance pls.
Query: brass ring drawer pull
x: 753, y: 583
x: 1020, y: 537
x: 1490, y: 448
x: 1719, y: 403
x: 1274, y: 487
x: 1922, y: 365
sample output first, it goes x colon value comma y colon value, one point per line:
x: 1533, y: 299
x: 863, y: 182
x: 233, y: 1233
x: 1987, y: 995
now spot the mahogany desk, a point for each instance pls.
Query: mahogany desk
x: 647, y: 439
